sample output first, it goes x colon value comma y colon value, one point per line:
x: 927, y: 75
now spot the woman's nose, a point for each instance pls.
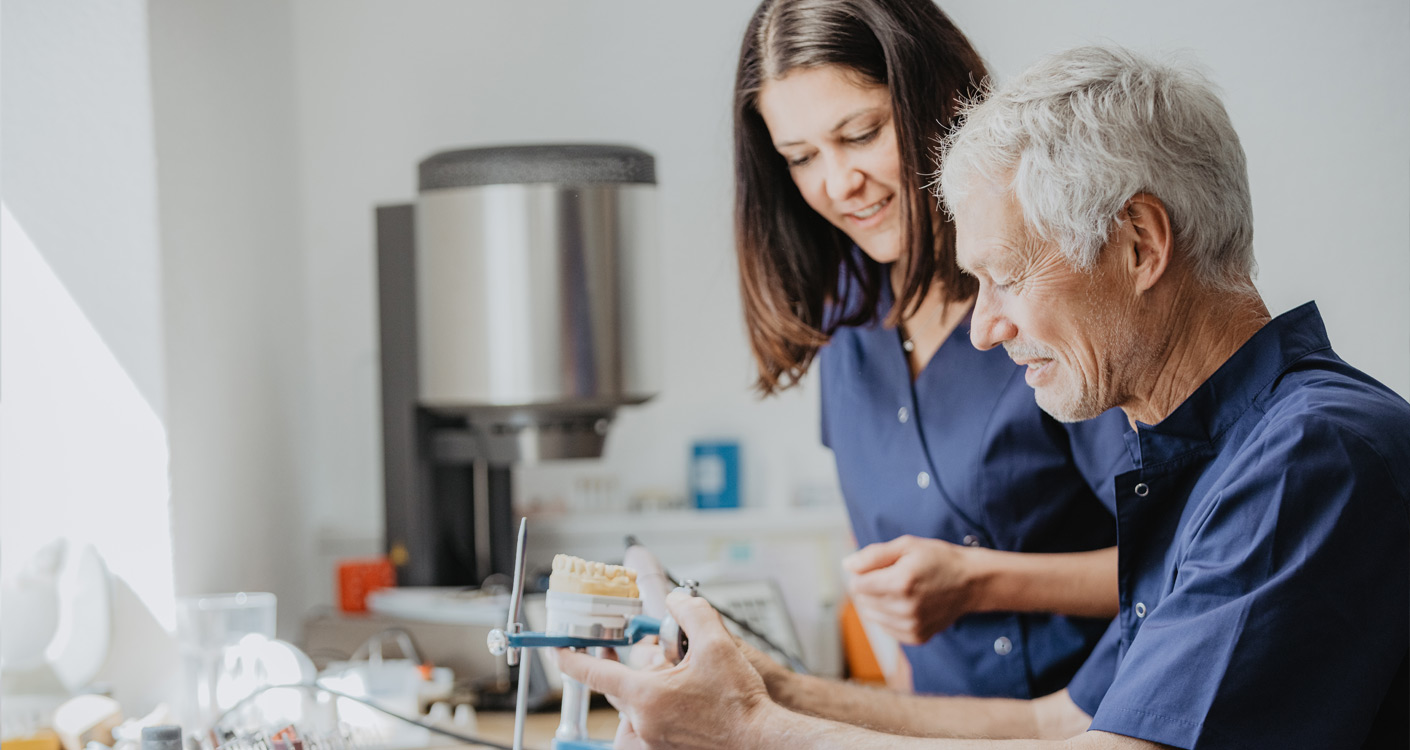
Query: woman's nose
x: 843, y: 180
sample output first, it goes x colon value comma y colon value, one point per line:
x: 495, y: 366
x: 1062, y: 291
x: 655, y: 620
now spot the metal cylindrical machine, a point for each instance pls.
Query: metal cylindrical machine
x: 530, y: 289
x: 518, y: 312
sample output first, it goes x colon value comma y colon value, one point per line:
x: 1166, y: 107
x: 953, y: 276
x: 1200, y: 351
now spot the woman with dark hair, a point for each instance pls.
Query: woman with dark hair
x: 953, y: 477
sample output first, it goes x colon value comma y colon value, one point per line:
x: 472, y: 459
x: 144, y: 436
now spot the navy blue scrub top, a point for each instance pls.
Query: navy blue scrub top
x: 1265, y: 557
x: 965, y: 455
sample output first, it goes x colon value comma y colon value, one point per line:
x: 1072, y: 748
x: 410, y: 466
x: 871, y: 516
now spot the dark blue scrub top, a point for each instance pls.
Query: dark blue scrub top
x: 1265, y: 557
x: 965, y: 455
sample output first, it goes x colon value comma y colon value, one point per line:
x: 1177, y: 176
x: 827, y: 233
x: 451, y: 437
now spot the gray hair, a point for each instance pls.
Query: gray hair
x: 1081, y: 132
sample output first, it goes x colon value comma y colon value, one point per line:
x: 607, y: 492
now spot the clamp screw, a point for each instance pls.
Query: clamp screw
x: 497, y: 641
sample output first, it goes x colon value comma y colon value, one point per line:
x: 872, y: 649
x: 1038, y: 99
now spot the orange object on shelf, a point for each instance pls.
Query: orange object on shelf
x: 862, y: 665
x: 44, y: 739
x: 358, y: 578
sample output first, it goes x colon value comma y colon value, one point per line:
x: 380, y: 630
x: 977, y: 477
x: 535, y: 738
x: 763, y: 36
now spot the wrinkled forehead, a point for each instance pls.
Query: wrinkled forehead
x: 990, y: 231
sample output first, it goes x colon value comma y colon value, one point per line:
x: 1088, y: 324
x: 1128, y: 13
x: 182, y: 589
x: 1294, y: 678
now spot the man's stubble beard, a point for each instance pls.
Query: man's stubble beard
x: 1124, y: 355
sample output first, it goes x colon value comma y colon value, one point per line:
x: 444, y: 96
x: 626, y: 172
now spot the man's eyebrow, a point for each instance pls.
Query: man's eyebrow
x: 983, y: 264
x: 842, y: 123
x: 1009, y: 258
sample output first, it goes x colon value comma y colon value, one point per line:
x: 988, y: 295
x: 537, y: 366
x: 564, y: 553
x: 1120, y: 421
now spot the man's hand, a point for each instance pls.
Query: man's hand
x: 911, y: 587
x: 713, y: 699
x: 775, y: 675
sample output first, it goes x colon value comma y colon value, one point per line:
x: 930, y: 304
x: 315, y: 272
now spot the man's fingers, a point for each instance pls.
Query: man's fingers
x: 627, y: 738
x: 697, y: 618
x: 647, y: 652
x: 873, y: 556
x: 603, y: 676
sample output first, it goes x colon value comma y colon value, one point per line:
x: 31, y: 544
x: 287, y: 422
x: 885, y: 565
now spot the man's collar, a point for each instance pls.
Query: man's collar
x: 1222, y: 399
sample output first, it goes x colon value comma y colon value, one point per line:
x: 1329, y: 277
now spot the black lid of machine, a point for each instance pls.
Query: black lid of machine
x: 559, y: 164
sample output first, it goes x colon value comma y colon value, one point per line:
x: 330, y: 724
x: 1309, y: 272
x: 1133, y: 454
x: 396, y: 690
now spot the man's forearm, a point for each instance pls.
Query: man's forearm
x: 1081, y: 584
x: 779, y: 729
x: 899, y: 713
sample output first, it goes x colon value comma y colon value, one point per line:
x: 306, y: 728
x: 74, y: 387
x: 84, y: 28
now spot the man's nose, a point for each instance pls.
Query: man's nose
x: 988, y: 326
x: 843, y: 179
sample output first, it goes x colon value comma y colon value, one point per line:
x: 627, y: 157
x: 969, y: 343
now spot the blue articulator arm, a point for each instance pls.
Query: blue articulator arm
x: 638, y: 627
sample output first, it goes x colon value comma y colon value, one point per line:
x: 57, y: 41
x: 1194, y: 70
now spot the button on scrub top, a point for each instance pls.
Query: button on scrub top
x: 1265, y: 544
x: 965, y: 455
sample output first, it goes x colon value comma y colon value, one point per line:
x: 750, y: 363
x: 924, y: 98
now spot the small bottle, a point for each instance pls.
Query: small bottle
x: 166, y: 737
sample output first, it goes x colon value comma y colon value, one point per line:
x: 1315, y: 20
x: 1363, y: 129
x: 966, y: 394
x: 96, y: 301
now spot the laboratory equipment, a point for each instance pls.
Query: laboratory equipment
x: 578, y: 621
x: 209, y: 631
x: 518, y: 312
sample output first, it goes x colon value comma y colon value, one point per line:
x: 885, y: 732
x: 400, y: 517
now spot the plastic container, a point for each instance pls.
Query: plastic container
x: 208, y: 628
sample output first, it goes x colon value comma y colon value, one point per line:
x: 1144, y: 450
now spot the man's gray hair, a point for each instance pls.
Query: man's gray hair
x: 1081, y: 132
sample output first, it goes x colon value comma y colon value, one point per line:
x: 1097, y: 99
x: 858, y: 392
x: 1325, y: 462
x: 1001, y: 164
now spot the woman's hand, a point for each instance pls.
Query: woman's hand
x: 911, y: 587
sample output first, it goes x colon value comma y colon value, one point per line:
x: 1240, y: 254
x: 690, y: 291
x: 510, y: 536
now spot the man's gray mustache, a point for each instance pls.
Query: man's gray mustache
x: 1020, y: 351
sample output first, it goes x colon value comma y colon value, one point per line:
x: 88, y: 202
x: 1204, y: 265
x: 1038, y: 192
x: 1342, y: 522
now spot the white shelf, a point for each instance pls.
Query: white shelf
x: 745, y: 521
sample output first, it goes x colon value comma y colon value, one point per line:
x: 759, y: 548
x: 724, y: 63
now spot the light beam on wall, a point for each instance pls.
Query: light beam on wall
x: 83, y: 455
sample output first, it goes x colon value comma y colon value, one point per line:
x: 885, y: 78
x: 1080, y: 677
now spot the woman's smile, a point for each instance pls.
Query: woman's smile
x: 867, y: 217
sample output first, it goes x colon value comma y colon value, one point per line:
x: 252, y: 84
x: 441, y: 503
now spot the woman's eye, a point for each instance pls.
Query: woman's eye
x: 798, y: 161
x: 864, y: 137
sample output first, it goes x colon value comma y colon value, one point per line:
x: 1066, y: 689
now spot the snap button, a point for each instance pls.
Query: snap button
x: 903, y: 414
x: 971, y: 540
x: 923, y: 480
x: 1142, y: 489
x: 1140, y: 609
x: 1003, y: 646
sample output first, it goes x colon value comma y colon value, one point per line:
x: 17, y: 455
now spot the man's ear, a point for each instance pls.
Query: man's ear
x: 1151, y: 239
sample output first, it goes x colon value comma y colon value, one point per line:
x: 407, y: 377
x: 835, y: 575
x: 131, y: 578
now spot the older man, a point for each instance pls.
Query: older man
x: 1102, y: 201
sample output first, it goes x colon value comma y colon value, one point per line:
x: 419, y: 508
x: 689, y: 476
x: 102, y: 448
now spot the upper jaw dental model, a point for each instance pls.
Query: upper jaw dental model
x: 574, y: 575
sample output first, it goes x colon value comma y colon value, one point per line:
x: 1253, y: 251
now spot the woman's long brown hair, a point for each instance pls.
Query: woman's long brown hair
x: 794, y: 264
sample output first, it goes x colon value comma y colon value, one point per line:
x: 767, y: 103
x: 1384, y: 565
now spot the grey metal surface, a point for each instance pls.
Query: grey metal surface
x: 409, y: 522
x: 537, y: 296
x: 528, y: 435
x: 562, y: 164
x: 516, y: 594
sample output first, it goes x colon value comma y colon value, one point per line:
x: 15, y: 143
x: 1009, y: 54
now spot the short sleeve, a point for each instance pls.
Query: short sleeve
x: 1289, y: 599
x: 1090, y: 684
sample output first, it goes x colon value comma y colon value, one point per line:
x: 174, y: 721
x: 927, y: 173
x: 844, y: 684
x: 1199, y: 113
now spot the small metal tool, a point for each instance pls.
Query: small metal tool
x: 794, y: 663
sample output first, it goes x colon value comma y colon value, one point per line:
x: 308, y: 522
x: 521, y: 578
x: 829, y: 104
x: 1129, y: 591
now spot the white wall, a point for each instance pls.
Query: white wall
x: 153, y: 296
x: 78, y: 141
x: 83, y: 451
x: 1317, y: 90
x: 237, y: 365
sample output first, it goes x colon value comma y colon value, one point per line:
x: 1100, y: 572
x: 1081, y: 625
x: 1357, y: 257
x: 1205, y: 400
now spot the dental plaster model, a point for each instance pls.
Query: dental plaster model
x: 574, y: 575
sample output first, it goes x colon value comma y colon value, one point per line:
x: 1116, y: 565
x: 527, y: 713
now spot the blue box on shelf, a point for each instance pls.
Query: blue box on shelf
x: 714, y: 474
